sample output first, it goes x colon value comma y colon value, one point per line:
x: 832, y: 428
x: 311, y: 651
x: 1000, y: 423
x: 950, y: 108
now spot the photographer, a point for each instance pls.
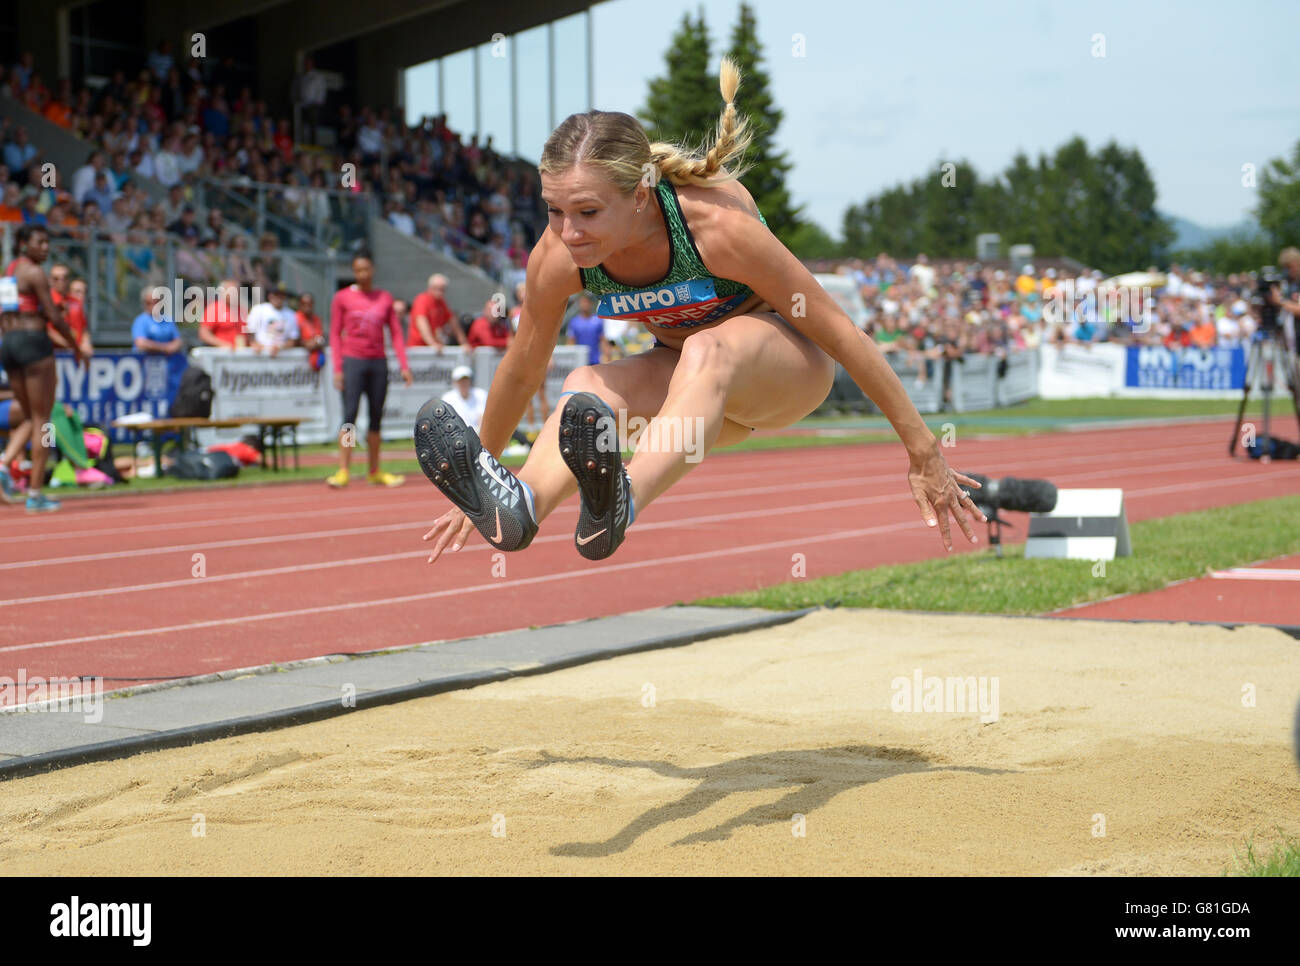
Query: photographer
x: 1284, y: 291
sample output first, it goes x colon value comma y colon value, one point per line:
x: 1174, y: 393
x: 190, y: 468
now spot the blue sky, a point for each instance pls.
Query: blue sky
x: 887, y: 92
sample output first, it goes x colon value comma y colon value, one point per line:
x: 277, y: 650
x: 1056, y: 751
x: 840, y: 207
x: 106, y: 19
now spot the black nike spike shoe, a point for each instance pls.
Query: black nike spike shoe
x: 457, y: 464
x: 590, y: 448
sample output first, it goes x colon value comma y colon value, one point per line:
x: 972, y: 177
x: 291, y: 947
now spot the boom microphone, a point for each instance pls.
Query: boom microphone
x: 1009, y: 493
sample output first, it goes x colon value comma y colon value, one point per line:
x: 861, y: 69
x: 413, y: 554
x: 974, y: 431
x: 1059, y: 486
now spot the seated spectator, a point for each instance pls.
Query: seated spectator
x: 167, y: 163
x: 311, y: 333
x: 141, y: 164
x: 399, y: 218
x: 886, y: 336
x: 73, y: 311
x: 155, y: 333
x: 186, y: 227
x: 32, y: 210
x: 19, y: 152
x: 1230, y: 324
x: 214, y: 264
x: 272, y: 325
x: 223, y: 320
x: 215, y: 226
x: 11, y: 203
x: 1204, y: 333
x: 492, y: 328
x: 161, y: 60
x: 468, y: 400
x: 58, y: 109
x: 103, y: 192
x: 432, y: 321
x: 238, y: 265
x: 83, y: 179
x: 174, y: 204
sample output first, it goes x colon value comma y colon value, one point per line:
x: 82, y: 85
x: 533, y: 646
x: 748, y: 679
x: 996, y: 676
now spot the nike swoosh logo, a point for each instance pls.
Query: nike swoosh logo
x: 583, y: 541
x: 497, y: 538
x: 483, y: 462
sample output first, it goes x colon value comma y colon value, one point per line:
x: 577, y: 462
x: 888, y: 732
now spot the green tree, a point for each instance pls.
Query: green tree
x: 1240, y: 252
x: 683, y: 105
x: 1097, y: 207
x: 1129, y: 232
x: 1279, y: 201
x: 768, y: 167
x: 809, y: 240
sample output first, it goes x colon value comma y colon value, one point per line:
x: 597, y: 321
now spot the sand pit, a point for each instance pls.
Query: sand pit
x: 698, y: 759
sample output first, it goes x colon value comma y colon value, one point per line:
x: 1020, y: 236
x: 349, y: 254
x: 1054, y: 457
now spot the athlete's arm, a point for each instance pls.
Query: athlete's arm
x: 399, y: 345
x: 735, y: 245
x: 552, y: 278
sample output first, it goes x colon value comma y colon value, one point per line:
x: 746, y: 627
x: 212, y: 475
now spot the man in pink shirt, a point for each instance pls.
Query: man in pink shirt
x: 358, y: 316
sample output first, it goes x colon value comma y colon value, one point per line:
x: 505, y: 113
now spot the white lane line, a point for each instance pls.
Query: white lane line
x: 1262, y: 573
x: 1042, y: 452
x: 584, y: 574
x: 840, y: 480
x: 395, y: 502
x: 384, y: 558
x: 1248, y: 574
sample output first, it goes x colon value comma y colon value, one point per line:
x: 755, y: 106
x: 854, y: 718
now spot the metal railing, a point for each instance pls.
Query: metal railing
x: 333, y: 219
x: 116, y: 272
x: 300, y: 217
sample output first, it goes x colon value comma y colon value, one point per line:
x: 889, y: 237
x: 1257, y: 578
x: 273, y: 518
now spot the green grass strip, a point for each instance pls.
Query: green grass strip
x: 1283, y: 859
x: 1164, y: 550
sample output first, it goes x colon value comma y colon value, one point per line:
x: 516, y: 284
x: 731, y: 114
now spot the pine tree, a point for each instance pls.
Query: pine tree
x: 1279, y: 200
x: 683, y: 105
x: 768, y: 167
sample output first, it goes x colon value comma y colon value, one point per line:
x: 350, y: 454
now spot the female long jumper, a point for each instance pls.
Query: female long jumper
x: 745, y: 338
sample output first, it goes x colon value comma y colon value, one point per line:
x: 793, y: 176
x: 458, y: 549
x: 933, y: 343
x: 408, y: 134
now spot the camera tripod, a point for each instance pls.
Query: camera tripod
x: 1268, y: 351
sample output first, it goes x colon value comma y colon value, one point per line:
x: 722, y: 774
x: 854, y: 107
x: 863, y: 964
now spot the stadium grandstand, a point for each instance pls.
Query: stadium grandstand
x: 228, y: 153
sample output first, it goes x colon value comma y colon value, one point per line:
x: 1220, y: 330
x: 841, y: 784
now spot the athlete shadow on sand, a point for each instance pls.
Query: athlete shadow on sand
x: 814, y: 775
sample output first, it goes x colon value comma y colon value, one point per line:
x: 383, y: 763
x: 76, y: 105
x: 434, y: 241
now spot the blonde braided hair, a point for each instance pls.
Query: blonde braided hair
x: 617, y: 144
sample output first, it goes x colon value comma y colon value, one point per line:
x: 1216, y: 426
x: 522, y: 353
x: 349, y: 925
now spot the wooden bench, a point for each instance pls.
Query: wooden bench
x: 270, y: 429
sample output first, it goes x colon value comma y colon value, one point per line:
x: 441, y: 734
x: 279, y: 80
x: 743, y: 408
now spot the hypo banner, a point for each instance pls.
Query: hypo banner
x: 1155, y: 367
x: 116, y: 384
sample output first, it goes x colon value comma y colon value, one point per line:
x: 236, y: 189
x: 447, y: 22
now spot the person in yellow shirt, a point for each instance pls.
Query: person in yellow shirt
x: 1025, y: 282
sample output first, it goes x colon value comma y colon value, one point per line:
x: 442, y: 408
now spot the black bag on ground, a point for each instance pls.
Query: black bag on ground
x: 1273, y: 448
x: 194, y: 397
x: 192, y: 465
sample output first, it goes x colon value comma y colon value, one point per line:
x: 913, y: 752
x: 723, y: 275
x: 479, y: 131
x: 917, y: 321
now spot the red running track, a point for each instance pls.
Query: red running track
x: 1267, y: 593
x: 168, y: 585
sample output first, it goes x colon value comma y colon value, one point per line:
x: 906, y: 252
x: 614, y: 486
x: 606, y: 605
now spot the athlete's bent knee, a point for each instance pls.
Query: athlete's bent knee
x: 704, y: 353
x: 583, y: 379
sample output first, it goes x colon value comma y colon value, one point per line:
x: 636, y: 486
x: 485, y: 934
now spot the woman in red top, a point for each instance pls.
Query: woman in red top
x: 26, y: 351
x: 358, y: 317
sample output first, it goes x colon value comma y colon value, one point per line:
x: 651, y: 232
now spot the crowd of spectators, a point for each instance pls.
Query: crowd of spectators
x: 952, y: 308
x: 179, y: 123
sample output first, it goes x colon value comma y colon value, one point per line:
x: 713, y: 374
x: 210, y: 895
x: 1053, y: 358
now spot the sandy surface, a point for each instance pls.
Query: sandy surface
x: 583, y: 773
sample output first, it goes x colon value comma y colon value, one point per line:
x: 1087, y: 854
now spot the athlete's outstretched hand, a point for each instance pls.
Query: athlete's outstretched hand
x: 453, y: 527
x: 937, y: 493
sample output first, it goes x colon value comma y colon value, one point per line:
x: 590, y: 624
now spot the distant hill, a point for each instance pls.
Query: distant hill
x: 1190, y: 235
